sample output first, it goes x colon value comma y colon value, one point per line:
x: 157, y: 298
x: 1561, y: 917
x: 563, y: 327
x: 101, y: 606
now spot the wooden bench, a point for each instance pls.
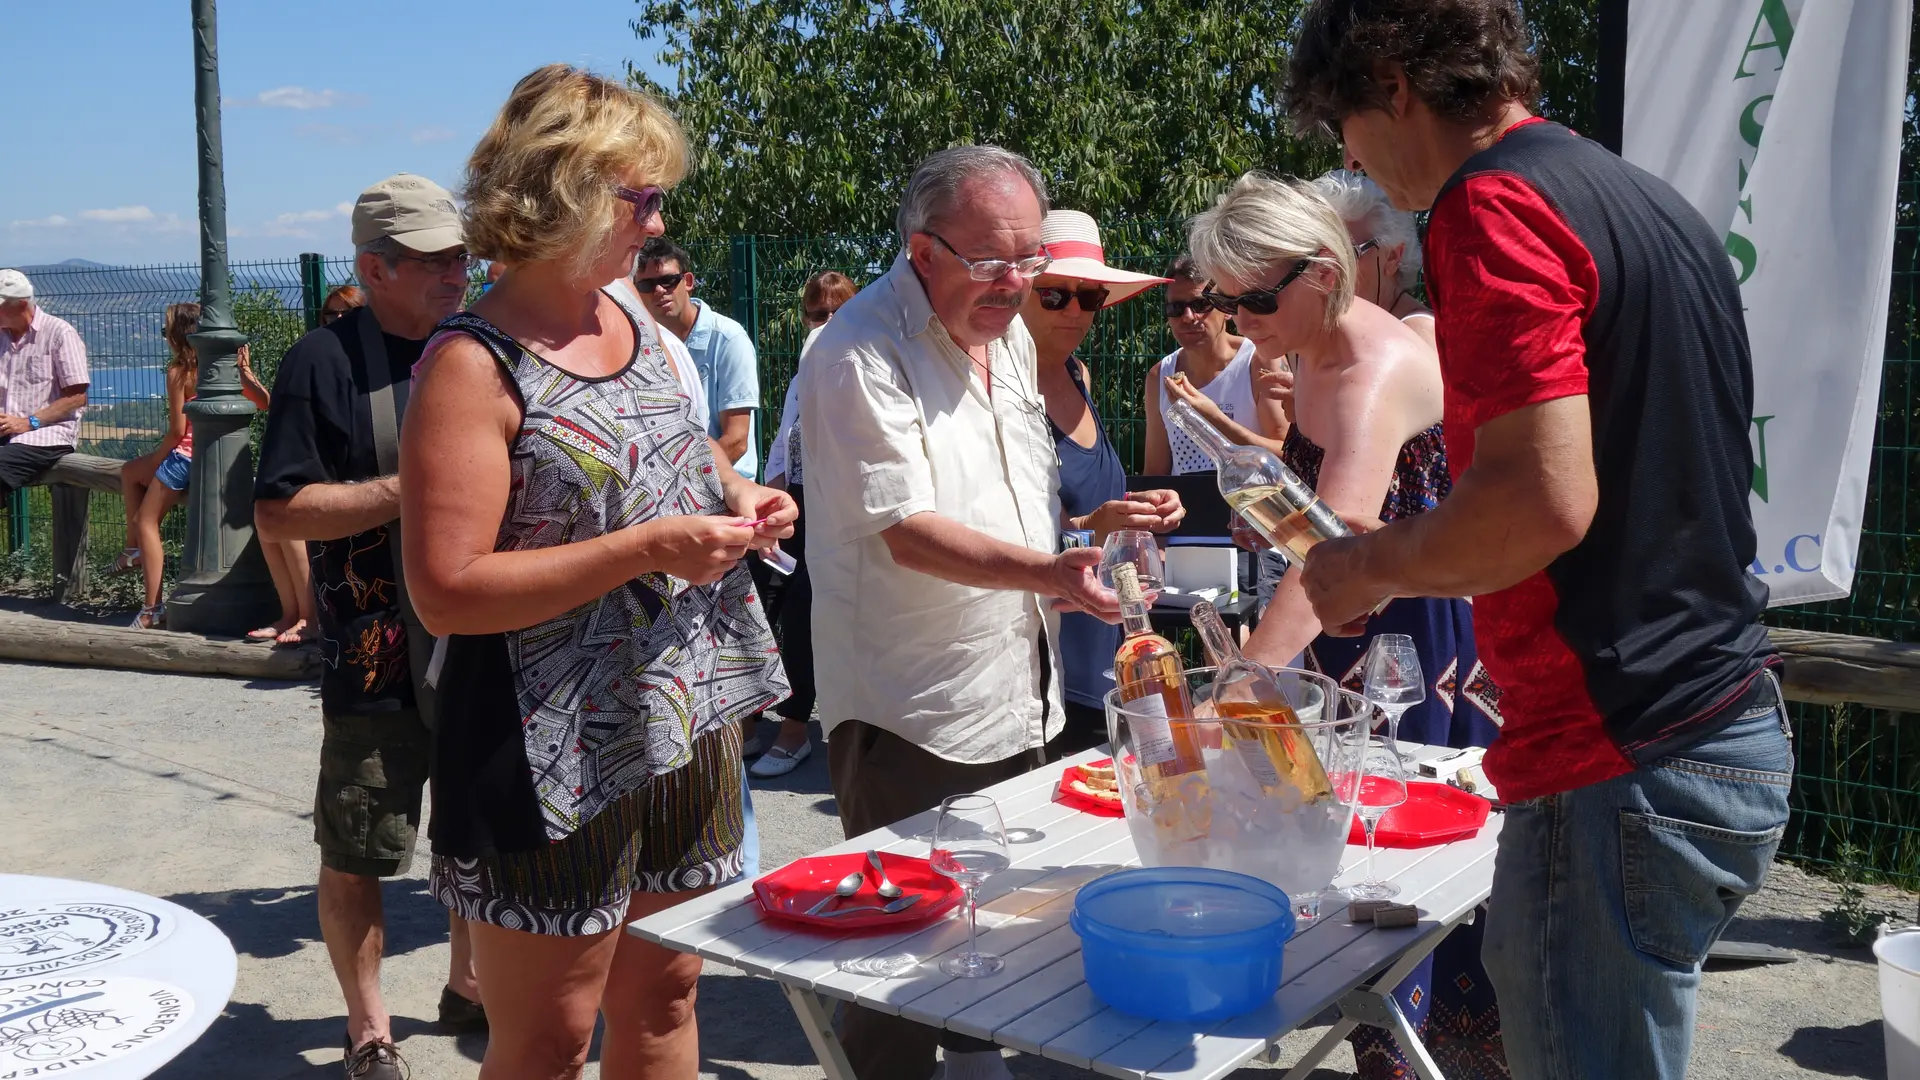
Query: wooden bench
x: 73, y: 479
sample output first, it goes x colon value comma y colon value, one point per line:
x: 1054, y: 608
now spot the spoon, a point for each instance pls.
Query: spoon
x: 894, y: 908
x: 888, y: 890
x: 847, y: 887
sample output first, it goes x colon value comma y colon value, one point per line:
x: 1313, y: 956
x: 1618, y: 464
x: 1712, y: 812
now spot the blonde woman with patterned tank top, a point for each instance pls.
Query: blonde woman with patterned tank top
x: 573, y: 532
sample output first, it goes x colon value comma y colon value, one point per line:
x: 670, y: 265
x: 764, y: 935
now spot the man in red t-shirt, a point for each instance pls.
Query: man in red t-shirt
x: 1598, y: 395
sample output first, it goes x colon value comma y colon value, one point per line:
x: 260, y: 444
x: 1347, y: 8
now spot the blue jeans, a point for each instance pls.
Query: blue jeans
x: 1606, y: 898
x: 750, y: 844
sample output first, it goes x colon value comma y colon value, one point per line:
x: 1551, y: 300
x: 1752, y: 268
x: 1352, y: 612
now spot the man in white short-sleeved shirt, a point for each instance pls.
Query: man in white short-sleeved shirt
x: 933, y: 533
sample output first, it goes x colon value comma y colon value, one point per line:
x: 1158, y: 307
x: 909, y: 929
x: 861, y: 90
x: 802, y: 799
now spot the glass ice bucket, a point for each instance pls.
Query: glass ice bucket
x: 1257, y: 807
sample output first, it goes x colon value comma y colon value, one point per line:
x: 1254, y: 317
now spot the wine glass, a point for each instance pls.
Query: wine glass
x: 969, y: 844
x: 1383, y: 787
x: 1136, y: 546
x: 1394, y: 681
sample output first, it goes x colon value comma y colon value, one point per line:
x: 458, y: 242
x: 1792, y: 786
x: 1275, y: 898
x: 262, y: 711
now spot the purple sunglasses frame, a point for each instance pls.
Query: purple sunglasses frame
x: 647, y: 201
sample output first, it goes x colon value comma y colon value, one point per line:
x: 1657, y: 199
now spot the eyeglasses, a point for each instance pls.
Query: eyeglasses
x: 1199, y: 305
x: 995, y: 269
x: 1365, y: 246
x: 445, y: 264
x: 329, y: 315
x: 1256, y: 301
x: 1053, y: 298
x: 664, y: 281
x: 646, y: 201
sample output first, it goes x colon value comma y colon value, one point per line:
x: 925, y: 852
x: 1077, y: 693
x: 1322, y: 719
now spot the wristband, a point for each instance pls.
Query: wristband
x: 33, y: 422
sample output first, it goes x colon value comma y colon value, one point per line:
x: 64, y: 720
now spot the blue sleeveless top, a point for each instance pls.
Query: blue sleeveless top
x: 1089, y: 476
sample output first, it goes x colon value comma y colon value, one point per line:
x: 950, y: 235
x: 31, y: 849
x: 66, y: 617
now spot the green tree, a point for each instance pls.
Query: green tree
x: 807, y: 115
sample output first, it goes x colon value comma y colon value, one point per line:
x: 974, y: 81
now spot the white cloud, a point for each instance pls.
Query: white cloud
x: 433, y: 135
x: 296, y: 97
x: 119, y: 215
x: 51, y: 222
x: 293, y: 223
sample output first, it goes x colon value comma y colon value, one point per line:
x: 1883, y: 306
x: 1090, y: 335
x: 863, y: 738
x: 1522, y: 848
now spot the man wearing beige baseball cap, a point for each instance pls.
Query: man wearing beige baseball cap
x: 43, y: 384
x: 329, y: 476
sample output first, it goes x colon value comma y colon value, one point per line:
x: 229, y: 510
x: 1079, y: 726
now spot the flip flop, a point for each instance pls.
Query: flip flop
x: 264, y: 634
x: 293, y: 638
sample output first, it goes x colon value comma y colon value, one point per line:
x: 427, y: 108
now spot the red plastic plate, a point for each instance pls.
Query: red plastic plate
x: 1066, y: 796
x: 1433, y: 814
x: 791, y: 891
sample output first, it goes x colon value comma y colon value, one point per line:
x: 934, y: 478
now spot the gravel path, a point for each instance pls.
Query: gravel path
x: 200, y: 790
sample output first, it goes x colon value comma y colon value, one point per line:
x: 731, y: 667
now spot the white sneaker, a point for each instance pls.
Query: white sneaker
x: 778, y: 761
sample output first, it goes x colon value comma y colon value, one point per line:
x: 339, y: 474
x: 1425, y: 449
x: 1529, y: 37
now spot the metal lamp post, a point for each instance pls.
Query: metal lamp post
x: 224, y: 586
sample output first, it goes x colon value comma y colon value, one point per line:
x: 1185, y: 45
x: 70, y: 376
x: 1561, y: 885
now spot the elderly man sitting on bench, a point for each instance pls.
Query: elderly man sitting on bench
x: 43, y: 384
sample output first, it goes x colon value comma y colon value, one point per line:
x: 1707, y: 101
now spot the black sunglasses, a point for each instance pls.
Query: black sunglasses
x: 1054, y: 298
x: 646, y: 201
x: 663, y: 281
x: 1199, y: 305
x: 1256, y: 301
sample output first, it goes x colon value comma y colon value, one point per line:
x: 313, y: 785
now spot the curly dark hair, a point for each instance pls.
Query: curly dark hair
x: 1460, y: 56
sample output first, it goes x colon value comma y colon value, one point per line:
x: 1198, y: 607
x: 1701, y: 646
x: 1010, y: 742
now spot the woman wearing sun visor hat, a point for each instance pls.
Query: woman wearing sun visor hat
x: 1059, y: 311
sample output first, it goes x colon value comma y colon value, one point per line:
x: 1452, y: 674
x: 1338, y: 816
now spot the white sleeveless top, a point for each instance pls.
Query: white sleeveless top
x: 1232, y: 390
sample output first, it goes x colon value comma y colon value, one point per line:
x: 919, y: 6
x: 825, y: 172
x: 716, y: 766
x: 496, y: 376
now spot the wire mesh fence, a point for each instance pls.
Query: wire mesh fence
x: 1857, y: 793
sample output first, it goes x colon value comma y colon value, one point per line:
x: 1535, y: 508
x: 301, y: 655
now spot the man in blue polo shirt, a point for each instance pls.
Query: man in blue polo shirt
x: 722, y: 351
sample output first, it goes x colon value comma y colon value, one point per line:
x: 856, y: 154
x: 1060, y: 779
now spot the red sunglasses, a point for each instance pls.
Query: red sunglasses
x: 646, y: 201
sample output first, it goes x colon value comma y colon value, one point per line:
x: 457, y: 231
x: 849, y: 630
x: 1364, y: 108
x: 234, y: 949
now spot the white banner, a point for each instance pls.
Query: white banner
x: 1780, y: 120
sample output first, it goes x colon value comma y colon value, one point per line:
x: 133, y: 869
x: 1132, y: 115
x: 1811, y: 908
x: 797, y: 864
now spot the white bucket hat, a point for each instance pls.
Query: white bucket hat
x: 1073, y: 240
x: 15, y: 286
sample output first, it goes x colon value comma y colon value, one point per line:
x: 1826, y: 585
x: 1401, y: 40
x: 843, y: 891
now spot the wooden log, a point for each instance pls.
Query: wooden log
x: 69, y: 542
x: 42, y: 640
x: 1828, y: 669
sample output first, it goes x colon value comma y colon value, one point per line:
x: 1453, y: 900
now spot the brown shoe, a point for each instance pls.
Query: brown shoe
x: 457, y: 1013
x: 377, y: 1060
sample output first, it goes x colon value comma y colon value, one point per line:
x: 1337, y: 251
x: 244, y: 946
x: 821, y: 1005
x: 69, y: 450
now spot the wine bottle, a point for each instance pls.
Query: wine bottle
x: 1261, y: 489
x: 1151, y: 677
x: 1260, y: 726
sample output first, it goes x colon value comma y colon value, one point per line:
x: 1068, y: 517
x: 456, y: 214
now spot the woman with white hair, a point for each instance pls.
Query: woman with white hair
x: 1386, y: 248
x: 1366, y: 436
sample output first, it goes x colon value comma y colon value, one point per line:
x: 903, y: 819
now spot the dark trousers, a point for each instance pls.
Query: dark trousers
x: 20, y: 464
x: 879, y: 778
x: 796, y: 622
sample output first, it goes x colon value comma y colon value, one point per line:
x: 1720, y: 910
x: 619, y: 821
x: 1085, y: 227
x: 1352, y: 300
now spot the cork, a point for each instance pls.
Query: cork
x: 1395, y: 916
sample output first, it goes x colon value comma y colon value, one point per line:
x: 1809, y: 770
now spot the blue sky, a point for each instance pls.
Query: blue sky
x: 321, y: 100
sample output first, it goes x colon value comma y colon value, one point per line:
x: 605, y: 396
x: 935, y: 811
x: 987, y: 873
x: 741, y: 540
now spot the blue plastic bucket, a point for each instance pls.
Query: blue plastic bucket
x: 1182, y: 942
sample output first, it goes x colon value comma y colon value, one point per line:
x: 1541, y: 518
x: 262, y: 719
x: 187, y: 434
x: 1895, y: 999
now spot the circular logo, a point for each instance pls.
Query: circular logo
x: 49, y: 939
x: 58, y: 1026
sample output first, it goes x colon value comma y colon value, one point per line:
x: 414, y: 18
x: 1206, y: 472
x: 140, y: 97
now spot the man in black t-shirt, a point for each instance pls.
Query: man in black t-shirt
x: 322, y: 480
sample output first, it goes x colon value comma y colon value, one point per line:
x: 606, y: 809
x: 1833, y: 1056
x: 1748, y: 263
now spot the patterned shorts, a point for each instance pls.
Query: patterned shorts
x: 679, y: 832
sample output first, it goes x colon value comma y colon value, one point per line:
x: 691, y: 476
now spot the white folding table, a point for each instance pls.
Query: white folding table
x: 1040, y: 1004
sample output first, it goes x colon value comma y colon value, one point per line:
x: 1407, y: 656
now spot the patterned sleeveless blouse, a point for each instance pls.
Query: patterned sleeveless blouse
x: 1420, y: 476
x: 616, y: 691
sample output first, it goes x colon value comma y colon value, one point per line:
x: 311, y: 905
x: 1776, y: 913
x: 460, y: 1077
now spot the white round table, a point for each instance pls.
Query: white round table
x: 101, y: 982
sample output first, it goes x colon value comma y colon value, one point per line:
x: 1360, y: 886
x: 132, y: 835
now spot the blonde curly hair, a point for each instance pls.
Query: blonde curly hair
x: 539, y: 185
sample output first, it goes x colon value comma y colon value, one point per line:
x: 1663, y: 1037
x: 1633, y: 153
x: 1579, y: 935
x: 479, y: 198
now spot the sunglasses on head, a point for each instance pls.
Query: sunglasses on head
x: 1199, y: 305
x: 663, y: 281
x: 646, y: 201
x: 1256, y: 301
x: 1054, y: 298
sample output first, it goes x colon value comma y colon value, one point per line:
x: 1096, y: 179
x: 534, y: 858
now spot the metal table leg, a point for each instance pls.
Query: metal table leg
x: 1372, y: 1004
x: 816, y: 1019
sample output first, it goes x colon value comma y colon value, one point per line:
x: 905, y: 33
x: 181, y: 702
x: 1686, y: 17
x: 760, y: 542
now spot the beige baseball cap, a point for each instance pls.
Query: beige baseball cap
x: 15, y: 286
x: 413, y: 210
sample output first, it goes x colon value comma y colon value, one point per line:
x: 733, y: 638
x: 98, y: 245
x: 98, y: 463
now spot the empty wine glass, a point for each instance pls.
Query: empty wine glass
x: 969, y: 845
x: 1382, y: 787
x: 1394, y: 681
x: 1136, y: 546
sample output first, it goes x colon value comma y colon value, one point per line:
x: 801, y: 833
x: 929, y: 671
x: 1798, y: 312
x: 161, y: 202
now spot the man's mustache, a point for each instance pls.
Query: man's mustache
x: 1003, y: 300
